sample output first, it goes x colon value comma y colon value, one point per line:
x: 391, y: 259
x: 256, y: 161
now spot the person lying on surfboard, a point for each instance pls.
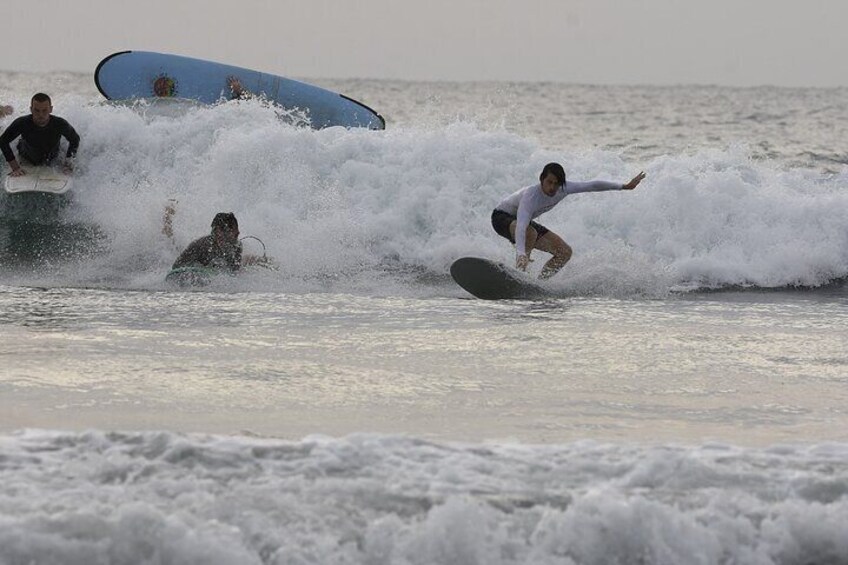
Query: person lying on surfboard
x: 512, y: 218
x: 40, y: 133
x: 221, y: 249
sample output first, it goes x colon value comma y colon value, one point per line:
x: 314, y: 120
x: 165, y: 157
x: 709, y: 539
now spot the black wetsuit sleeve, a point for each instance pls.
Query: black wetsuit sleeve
x: 12, y: 132
x: 71, y: 135
x: 235, y: 264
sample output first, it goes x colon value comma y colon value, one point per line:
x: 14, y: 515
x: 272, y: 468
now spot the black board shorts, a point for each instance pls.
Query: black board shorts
x: 501, y: 221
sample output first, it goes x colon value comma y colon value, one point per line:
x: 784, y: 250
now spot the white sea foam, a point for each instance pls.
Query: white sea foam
x: 360, y: 210
x: 165, y: 498
x: 348, y: 206
x: 386, y: 212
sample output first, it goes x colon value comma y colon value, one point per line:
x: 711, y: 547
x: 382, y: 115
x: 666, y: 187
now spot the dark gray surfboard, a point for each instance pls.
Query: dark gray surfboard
x: 489, y: 280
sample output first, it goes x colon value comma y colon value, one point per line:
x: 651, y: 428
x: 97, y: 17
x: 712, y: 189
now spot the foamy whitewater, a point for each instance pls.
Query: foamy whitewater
x: 681, y: 399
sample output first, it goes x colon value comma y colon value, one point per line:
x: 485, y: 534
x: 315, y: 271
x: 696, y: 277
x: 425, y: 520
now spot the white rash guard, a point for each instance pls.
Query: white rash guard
x: 531, y: 202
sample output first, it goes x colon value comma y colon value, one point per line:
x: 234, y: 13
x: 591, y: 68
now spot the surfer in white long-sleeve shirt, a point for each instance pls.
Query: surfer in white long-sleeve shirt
x: 513, y: 217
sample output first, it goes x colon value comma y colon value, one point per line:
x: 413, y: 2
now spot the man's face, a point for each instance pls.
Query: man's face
x: 550, y: 184
x: 226, y: 236
x: 40, y: 113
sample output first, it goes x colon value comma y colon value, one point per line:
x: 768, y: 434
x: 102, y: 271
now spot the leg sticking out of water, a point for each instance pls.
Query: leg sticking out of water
x: 549, y: 242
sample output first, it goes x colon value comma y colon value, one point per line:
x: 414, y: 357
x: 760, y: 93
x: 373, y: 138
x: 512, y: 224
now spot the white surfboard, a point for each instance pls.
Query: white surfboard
x: 39, y: 179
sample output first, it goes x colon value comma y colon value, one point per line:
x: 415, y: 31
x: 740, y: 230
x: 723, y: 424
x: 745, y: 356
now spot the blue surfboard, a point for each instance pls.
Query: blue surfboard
x: 143, y: 74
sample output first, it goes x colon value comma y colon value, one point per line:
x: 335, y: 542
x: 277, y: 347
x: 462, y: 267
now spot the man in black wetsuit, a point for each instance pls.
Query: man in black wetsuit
x: 220, y: 249
x: 40, y: 133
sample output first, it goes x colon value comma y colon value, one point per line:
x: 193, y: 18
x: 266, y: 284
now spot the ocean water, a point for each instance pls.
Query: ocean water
x: 682, y: 397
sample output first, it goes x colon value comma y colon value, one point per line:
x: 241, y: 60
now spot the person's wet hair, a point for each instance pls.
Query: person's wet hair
x: 41, y: 97
x: 225, y: 220
x: 554, y: 169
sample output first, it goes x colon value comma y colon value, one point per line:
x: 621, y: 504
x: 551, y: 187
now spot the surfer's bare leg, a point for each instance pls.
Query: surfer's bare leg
x: 530, y: 237
x: 561, y: 251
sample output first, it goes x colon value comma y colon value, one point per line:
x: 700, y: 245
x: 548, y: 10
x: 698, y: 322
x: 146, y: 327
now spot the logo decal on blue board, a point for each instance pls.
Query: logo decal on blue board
x: 164, y: 86
x: 237, y: 91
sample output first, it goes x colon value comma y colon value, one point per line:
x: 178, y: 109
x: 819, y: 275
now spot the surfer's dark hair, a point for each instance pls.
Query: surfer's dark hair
x: 554, y: 169
x: 41, y: 97
x: 225, y: 220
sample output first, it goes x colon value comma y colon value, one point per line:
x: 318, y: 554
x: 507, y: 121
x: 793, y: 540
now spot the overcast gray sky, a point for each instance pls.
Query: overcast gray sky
x: 731, y: 42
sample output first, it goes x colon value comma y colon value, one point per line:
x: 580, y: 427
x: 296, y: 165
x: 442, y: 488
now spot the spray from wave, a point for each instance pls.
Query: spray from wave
x: 356, y: 210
